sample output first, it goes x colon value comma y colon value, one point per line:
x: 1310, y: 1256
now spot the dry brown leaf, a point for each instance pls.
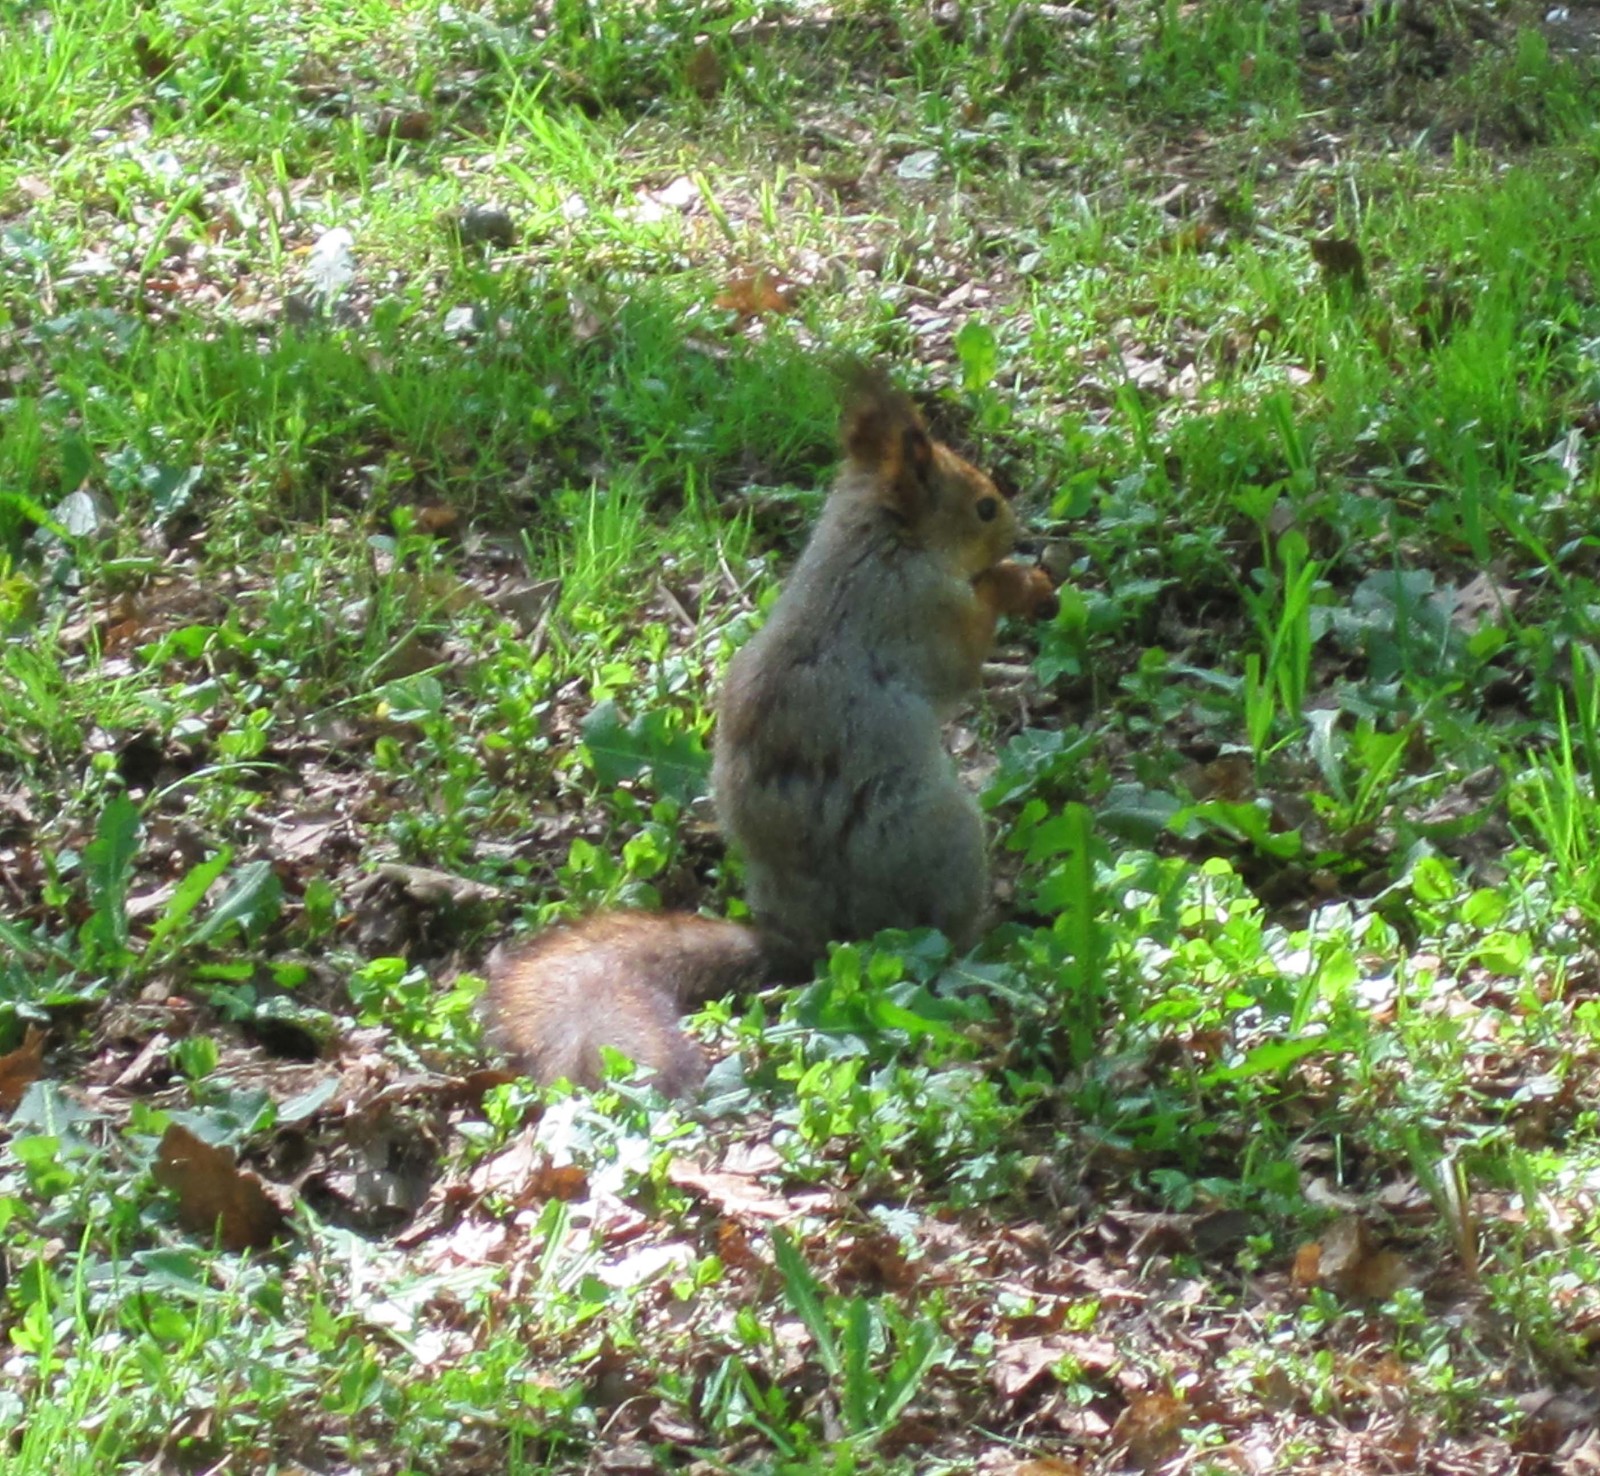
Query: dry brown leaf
x: 1044, y: 1466
x: 1191, y: 238
x: 524, y: 1172
x: 733, y: 1246
x: 1375, y: 1278
x: 1151, y: 1427
x: 414, y: 125
x: 123, y: 634
x: 1307, y: 1269
x: 704, y: 71
x: 563, y: 1181
x: 1145, y: 373
x: 643, y: 1263
x: 1230, y: 777
x: 19, y: 1069
x: 437, y: 888
x: 1349, y: 1260
x: 306, y: 837
x: 670, y: 1427
x: 152, y: 1058
x: 1092, y: 1355
x: 437, y: 517
x: 751, y: 1158
x: 414, y: 654
x: 215, y: 1196
x: 876, y: 1262
x: 526, y: 604
x: 585, y: 318
x: 1022, y: 1364
x: 1345, y: 1244
x: 154, y: 61
x: 733, y: 1194
x: 752, y: 292
x: 631, y: 1458
x: 1481, y: 601
x: 147, y: 900
x: 1339, y: 257
x: 1276, y: 1390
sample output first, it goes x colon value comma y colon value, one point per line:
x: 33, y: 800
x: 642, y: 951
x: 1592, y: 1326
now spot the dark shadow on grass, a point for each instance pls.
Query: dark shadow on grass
x: 548, y: 392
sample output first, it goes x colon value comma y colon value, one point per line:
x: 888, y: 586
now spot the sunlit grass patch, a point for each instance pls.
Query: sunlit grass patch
x: 404, y: 412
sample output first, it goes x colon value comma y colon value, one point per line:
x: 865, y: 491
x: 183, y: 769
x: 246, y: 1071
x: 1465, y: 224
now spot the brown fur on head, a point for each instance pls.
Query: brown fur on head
x: 881, y: 429
x: 944, y: 503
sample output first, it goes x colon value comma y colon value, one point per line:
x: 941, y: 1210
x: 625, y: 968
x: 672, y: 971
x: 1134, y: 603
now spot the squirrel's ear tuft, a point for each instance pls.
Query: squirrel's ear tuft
x: 884, y: 435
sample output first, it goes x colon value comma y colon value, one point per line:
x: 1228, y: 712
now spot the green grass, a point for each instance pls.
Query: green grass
x: 314, y: 567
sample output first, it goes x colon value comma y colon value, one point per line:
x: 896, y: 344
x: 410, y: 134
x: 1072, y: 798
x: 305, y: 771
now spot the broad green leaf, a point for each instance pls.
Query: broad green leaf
x: 1504, y: 953
x: 34, y: 511
x: 919, y: 1350
x: 678, y: 761
x: 1037, y: 756
x: 805, y: 1295
x: 676, y: 758
x: 108, y: 866
x: 1273, y: 1057
x: 1135, y: 812
x: 979, y: 353
x: 1078, y: 924
x: 613, y: 750
x: 195, y: 884
x: 858, y: 1400
x: 252, y: 899
x: 1243, y: 821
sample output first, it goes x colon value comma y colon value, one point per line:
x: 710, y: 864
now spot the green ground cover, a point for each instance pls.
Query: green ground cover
x: 406, y: 408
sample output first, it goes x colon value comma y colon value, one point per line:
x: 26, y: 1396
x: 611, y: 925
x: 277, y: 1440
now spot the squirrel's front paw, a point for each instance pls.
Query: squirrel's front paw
x: 1018, y: 589
x: 1041, y: 602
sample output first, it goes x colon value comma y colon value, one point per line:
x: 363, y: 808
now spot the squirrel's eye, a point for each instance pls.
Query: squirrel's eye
x: 987, y: 508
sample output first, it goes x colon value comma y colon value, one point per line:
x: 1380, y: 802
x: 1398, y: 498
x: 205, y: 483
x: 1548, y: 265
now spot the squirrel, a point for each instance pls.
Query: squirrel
x: 829, y: 771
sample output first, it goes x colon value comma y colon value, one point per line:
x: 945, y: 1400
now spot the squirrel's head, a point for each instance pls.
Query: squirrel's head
x: 944, y: 503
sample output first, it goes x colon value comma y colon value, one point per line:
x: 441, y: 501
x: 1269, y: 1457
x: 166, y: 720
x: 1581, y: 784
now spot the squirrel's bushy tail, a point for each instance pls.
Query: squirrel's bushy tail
x: 620, y: 979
